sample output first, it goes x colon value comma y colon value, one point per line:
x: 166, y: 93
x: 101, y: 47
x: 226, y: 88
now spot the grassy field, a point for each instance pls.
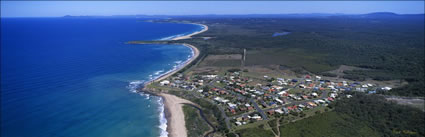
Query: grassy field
x: 329, y: 124
x: 293, y: 58
x: 195, y: 125
x: 229, y: 60
x: 255, y: 132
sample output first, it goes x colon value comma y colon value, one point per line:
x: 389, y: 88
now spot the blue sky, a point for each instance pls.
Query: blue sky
x: 105, y: 8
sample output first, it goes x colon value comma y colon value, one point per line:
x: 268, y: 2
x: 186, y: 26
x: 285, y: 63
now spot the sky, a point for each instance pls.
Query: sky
x: 106, y: 8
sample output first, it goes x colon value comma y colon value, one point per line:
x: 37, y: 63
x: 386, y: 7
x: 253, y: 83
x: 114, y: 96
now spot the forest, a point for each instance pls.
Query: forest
x: 388, y: 118
x: 389, y: 48
x: 361, y: 115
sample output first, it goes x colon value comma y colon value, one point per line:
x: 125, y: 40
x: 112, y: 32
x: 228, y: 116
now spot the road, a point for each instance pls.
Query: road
x: 241, y: 96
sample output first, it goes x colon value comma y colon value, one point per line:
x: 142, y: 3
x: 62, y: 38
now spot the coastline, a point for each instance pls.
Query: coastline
x: 205, y: 28
x: 173, y: 105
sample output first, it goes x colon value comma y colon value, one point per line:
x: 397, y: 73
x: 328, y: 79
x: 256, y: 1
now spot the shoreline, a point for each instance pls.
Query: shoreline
x: 205, y: 28
x: 173, y: 105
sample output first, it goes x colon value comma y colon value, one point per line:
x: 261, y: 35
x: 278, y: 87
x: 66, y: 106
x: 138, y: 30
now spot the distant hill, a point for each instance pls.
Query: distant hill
x: 382, y: 14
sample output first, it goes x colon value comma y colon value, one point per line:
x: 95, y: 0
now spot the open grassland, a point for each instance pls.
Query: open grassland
x: 229, y: 60
x: 329, y: 124
x: 293, y: 58
x: 255, y: 132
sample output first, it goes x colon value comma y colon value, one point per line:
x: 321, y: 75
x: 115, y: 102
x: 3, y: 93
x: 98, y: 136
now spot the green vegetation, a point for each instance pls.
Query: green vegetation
x: 381, y: 48
x: 360, y: 116
x: 415, y: 88
x: 211, y: 111
x: 195, y: 125
x: 292, y: 58
x: 390, y: 48
x: 273, y: 125
x: 255, y: 132
x: 329, y: 124
x: 223, y: 63
x: 387, y: 118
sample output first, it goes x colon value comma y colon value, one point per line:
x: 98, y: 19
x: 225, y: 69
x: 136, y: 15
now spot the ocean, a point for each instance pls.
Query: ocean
x: 76, y: 77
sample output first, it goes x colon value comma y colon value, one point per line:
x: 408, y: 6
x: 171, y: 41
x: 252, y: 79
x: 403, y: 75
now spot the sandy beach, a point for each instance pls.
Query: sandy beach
x: 195, y: 33
x: 175, y: 115
x: 173, y: 105
x: 195, y: 55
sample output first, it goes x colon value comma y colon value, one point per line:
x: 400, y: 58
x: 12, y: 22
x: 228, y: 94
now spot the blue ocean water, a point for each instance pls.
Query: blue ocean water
x: 71, y: 76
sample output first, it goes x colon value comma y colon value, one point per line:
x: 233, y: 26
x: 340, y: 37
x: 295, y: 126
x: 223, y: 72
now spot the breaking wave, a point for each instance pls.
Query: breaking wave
x: 135, y: 85
x: 162, y: 119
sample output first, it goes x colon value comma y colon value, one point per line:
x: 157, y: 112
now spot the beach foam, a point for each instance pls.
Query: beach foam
x: 162, y: 118
x: 134, y: 85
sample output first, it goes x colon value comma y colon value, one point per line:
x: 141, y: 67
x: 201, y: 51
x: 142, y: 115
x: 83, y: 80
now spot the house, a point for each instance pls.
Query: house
x: 279, y: 111
x: 242, y: 108
x: 285, y: 110
x: 239, y: 119
x: 278, y: 100
x: 270, y: 112
x: 245, y: 118
x: 231, y: 105
x: 221, y: 100
x: 282, y: 92
x: 164, y: 82
x: 386, y: 88
x: 272, y: 104
x: 233, y: 111
x: 333, y: 95
x: 256, y: 117
x: 318, y: 77
x: 319, y: 101
x: 311, y: 104
x: 210, y: 76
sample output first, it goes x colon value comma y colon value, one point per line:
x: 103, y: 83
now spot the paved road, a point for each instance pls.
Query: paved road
x: 241, y: 96
x: 259, y: 109
x: 262, y: 112
x: 323, y: 96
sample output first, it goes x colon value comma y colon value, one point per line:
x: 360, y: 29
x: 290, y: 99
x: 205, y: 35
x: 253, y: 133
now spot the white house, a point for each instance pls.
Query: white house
x: 164, y: 82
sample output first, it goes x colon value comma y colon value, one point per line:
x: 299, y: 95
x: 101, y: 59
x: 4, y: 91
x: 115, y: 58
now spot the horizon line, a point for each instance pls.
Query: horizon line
x: 211, y: 14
